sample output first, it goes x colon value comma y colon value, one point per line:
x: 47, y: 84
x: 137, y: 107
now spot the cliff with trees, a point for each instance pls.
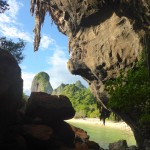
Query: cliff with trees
x: 106, y: 38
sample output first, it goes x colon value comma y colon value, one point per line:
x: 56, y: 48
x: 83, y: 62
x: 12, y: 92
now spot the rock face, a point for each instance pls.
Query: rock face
x: 104, y: 37
x: 11, y: 88
x: 46, y: 128
x: 58, y: 90
x: 41, y: 132
x: 79, y: 84
x: 49, y: 107
x: 41, y: 83
x: 120, y: 145
x: 80, y: 133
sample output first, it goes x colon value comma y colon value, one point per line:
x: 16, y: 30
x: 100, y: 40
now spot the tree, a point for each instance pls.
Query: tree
x: 14, y: 48
x: 130, y: 96
x: 82, y: 100
x: 3, y: 6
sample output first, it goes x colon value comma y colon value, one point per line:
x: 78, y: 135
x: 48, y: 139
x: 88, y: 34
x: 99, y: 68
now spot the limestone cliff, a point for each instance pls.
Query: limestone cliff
x: 59, y: 89
x: 41, y: 83
x: 79, y: 84
x: 105, y: 36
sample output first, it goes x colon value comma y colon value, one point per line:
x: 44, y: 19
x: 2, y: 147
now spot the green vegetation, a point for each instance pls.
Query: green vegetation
x: 25, y: 97
x: 82, y: 100
x: 15, y: 49
x: 42, y: 76
x: 131, y: 92
x: 41, y: 83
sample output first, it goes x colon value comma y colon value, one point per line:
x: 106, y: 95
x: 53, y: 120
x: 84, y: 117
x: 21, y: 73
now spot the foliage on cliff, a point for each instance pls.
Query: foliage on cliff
x: 79, y: 84
x: 3, y: 6
x: 16, y: 49
x: 131, y: 92
x: 41, y: 83
x: 82, y: 100
x: 58, y: 90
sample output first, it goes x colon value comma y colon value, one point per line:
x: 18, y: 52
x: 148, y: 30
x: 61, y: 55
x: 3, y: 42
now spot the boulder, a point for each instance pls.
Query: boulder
x: 133, y: 147
x: 147, y: 144
x: 80, y: 134
x: 120, y: 145
x: 11, y: 88
x: 81, y: 146
x: 41, y: 132
x: 63, y: 134
x: 56, y: 136
x: 13, y: 141
x: 93, y: 145
x: 82, y: 140
x: 49, y: 108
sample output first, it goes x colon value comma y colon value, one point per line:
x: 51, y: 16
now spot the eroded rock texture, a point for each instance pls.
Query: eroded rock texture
x: 104, y: 37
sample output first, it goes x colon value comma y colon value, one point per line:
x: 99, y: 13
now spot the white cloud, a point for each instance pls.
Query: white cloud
x: 5, y: 18
x: 9, y: 25
x: 46, y: 41
x: 23, y: 67
x: 14, y: 8
x: 13, y: 32
x: 27, y: 81
x: 59, y: 72
x: 10, y: 15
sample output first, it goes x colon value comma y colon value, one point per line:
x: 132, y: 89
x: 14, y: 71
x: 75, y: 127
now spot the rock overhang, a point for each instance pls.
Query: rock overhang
x: 104, y: 36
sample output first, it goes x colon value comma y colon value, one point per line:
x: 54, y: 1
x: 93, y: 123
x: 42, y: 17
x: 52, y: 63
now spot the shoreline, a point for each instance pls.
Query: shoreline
x: 96, y: 121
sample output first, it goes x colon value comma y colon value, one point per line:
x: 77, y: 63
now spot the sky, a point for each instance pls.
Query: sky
x: 52, y: 56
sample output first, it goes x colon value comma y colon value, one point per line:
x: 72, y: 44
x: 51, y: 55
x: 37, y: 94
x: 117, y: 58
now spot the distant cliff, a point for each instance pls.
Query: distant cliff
x: 60, y: 88
x: 41, y: 83
x: 79, y: 84
x: 80, y: 97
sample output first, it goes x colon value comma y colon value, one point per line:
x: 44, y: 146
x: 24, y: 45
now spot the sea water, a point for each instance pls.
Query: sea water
x: 104, y: 135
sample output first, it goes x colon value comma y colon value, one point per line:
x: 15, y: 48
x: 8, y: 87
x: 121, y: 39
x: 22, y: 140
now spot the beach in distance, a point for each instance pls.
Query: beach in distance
x: 96, y: 121
x: 111, y: 132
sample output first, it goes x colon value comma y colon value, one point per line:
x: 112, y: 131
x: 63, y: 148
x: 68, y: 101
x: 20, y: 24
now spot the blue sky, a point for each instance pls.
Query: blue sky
x: 53, y: 53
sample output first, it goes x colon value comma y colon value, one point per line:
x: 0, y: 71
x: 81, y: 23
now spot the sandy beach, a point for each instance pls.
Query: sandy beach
x: 121, y: 125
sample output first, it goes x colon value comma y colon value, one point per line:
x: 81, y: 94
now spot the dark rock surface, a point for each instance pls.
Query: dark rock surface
x: 41, y: 132
x: 80, y: 133
x: 11, y: 88
x: 49, y: 107
x: 120, y: 145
